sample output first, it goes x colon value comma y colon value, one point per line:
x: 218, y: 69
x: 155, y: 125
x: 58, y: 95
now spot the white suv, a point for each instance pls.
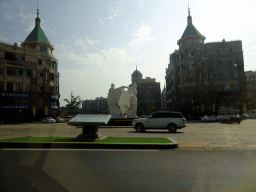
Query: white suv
x: 160, y: 120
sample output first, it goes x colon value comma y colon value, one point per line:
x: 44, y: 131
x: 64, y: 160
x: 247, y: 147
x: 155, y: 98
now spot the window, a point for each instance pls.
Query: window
x: 39, y: 62
x: 18, y: 87
x: 39, y: 87
x: 2, y: 53
x: 42, y: 49
x: 225, y: 87
x: 13, y: 56
x: 27, y: 87
x: 223, y: 50
x: 191, y: 65
x: 192, y: 77
x: 224, y: 63
x: 1, y: 85
x: 225, y: 75
x: 32, y: 47
x: 11, y: 71
x: 28, y: 73
x: 1, y: 71
x: 215, y: 75
x: 204, y: 64
x: 39, y: 74
x: 52, y: 89
x: 205, y: 76
x: 235, y: 74
x: 19, y: 71
x: 236, y: 86
x: 9, y: 86
x: 51, y: 64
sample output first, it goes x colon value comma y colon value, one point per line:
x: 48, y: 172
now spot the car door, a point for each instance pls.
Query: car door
x: 153, y: 121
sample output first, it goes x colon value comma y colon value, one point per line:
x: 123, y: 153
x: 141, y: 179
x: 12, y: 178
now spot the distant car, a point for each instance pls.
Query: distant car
x: 59, y: 120
x: 67, y: 118
x: 245, y: 116
x: 208, y: 118
x: 160, y: 120
x: 49, y: 120
x: 231, y: 118
x: 252, y: 114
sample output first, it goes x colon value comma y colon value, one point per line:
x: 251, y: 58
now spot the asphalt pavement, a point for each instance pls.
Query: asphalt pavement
x: 127, y: 170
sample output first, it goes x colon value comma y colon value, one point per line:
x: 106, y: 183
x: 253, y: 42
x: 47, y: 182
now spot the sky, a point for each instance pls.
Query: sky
x: 98, y: 42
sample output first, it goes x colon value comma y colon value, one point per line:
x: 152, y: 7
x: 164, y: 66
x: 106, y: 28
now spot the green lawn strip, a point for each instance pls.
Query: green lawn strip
x: 107, y: 140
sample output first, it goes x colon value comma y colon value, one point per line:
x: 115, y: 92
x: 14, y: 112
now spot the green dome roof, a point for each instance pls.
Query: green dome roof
x: 136, y: 74
x: 190, y: 30
x: 37, y: 33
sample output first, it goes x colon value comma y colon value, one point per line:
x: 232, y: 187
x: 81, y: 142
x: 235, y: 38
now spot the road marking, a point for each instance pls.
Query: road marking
x: 35, y: 149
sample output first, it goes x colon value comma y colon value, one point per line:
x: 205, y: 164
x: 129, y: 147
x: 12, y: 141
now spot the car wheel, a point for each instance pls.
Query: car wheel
x: 172, y: 128
x: 139, y: 127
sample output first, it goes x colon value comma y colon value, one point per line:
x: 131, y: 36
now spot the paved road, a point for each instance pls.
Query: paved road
x: 196, y: 134
x: 164, y: 170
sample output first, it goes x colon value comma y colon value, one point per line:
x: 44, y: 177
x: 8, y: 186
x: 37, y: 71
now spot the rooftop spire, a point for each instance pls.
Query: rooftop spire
x: 37, y: 11
x: 189, y: 17
x: 37, y: 19
x: 188, y: 10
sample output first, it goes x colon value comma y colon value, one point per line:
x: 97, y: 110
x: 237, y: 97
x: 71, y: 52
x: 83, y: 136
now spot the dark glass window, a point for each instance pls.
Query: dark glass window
x: 13, y: 56
x: 39, y: 74
x: 1, y: 85
x: 28, y: 73
x: 39, y: 62
x: 11, y: 71
x: 27, y: 87
x: 42, y: 49
x: 51, y: 76
x: 1, y: 71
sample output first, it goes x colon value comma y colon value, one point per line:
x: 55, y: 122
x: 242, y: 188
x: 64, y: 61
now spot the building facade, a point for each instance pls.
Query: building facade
x: 29, y: 78
x: 205, y: 78
x: 149, y: 94
x: 163, y: 100
x: 98, y: 106
x: 251, y: 83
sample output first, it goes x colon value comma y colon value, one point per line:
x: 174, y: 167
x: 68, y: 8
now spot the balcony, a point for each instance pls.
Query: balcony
x: 51, y: 70
x: 51, y: 83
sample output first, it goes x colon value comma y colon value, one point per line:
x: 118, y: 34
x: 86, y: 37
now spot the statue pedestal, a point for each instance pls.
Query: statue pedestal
x: 89, y: 124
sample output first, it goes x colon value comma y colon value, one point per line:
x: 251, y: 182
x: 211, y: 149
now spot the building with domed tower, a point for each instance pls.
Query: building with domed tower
x: 205, y: 78
x: 149, y: 93
x: 29, y: 78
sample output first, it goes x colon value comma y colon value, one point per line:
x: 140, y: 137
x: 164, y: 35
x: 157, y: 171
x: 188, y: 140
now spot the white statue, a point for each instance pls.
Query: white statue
x: 122, y: 102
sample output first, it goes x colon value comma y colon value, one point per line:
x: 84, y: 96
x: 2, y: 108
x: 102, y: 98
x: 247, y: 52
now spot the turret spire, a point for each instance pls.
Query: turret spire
x: 188, y: 10
x: 37, y: 19
x: 189, y: 17
x: 37, y: 11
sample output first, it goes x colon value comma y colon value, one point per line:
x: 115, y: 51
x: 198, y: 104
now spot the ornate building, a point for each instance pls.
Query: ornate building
x: 29, y: 78
x: 149, y: 94
x: 205, y: 78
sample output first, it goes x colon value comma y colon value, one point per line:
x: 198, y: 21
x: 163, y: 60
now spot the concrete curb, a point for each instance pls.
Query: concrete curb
x: 88, y: 145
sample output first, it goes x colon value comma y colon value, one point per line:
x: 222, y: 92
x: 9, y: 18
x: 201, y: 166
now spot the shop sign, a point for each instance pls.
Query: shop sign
x: 54, y: 97
x: 53, y: 106
x: 6, y: 94
x: 14, y: 106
